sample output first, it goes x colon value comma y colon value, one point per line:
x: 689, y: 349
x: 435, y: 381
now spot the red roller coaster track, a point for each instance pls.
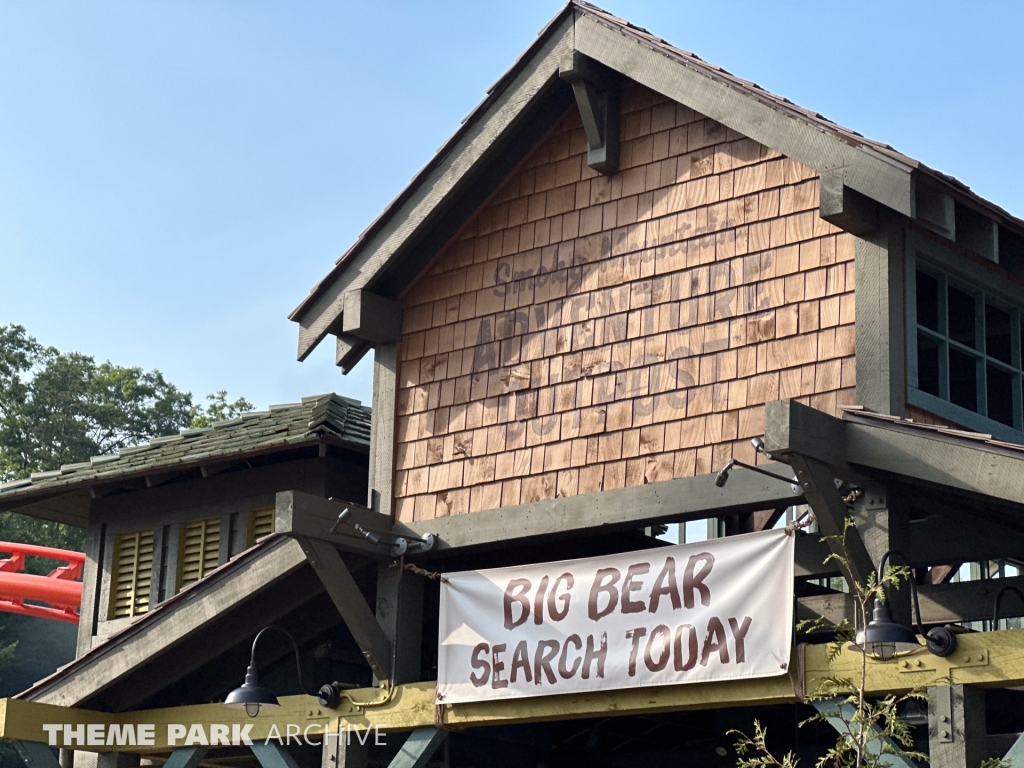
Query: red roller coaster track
x: 60, y: 591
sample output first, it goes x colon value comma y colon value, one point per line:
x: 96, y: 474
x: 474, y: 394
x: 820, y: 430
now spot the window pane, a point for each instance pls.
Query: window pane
x: 963, y: 380
x: 927, y: 364
x: 997, y: 333
x: 927, y: 301
x: 1000, y: 395
x: 961, y: 317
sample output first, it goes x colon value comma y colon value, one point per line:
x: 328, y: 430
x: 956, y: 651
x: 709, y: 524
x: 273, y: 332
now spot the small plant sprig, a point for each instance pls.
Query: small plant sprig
x: 869, y: 730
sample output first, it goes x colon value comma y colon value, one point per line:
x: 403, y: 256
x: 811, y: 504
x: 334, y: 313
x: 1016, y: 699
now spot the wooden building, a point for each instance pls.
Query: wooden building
x: 624, y: 265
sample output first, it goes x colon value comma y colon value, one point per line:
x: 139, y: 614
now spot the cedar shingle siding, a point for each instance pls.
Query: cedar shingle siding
x: 587, y: 332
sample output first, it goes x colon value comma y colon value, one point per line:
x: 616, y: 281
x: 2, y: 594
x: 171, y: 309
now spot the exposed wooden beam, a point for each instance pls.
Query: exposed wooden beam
x: 348, y: 350
x: 845, y: 207
x: 689, y: 498
x: 306, y: 515
x: 983, y: 472
x: 349, y: 600
x: 947, y: 603
x: 380, y: 494
x: 983, y: 659
x: 372, y: 318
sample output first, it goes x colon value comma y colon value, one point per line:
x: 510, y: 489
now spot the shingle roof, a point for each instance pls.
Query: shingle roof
x: 690, y: 60
x: 280, y: 427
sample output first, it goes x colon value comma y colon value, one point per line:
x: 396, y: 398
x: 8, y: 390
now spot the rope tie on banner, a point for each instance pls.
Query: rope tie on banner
x: 432, y: 575
x: 439, y: 722
x: 803, y: 521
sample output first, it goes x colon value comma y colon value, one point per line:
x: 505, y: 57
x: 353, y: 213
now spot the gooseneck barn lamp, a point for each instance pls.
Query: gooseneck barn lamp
x: 999, y: 597
x: 723, y: 475
x: 251, y: 696
x: 883, y: 637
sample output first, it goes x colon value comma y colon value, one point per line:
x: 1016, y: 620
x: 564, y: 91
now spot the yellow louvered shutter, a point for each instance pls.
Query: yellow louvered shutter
x: 131, y: 574
x: 200, y: 550
x: 261, y: 523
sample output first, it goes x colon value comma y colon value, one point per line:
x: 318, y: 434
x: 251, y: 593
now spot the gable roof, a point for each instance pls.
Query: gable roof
x: 170, y: 623
x: 527, y: 99
x: 282, y: 427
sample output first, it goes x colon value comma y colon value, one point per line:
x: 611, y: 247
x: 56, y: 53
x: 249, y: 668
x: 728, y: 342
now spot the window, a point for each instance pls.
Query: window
x: 131, y: 574
x: 965, y: 349
x: 200, y: 550
x: 261, y: 523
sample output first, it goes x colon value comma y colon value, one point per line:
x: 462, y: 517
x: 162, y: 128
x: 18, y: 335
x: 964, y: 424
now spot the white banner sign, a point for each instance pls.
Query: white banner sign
x: 715, y: 610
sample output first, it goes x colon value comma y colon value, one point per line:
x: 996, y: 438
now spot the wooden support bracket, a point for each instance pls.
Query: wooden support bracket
x: 418, y: 748
x: 305, y: 515
x: 348, y: 351
x: 813, y: 444
x: 186, y: 757
x: 840, y: 714
x: 845, y: 207
x: 345, y: 594
x: 597, y: 90
x: 35, y: 755
x: 372, y: 318
x: 272, y: 755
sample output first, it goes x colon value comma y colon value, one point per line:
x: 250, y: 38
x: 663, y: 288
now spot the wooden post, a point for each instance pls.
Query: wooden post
x: 340, y: 750
x: 400, y: 615
x: 956, y: 726
x: 382, y: 428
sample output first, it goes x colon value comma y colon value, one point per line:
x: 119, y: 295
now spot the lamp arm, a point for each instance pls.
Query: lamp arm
x: 295, y: 646
x: 913, y: 585
x: 753, y: 468
x: 999, y: 597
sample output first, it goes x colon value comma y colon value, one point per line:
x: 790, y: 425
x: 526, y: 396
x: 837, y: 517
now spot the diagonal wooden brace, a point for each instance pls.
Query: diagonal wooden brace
x: 351, y: 604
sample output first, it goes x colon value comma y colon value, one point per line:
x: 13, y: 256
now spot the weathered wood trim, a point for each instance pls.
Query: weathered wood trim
x: 688, y: 498
x: 793, y: 428
x: 380, y: 496
x: 351, y: 605
x: 90, y: 608
x: 986, y: 473
x: 881, y: 319
x: 537, y: 73
x: 300, y: 514
x: 372, y: 318
x: 399, y: 612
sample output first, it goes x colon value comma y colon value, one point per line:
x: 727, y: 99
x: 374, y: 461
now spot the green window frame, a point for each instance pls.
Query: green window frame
x: 964, y: 335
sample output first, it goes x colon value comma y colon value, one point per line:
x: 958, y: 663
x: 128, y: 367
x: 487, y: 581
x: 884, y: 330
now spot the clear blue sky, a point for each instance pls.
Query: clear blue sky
x: 175, y: 176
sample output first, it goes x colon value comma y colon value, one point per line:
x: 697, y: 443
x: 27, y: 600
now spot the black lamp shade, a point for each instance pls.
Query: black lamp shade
x: 883, y: 638
x: 251, y: 695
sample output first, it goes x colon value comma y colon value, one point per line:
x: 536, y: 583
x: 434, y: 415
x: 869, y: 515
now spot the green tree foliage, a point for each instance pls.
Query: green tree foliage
x: 869, y: 731
x: 63, y: 408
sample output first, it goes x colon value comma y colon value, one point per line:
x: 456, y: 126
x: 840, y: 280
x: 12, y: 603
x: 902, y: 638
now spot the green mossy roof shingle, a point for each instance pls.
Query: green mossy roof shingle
x: 280, y: 427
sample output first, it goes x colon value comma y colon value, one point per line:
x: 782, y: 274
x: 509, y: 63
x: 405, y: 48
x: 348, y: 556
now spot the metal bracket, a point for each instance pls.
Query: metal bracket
x: 926, y: 662
x: 944, y: 714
